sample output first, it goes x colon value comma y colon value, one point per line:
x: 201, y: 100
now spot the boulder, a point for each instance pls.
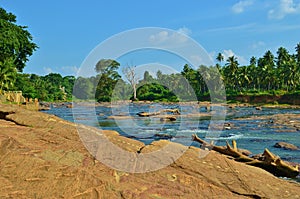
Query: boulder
x: 69, y: 106
x: 285, y: 145
x: 258, y: 108
x: 147, y: 114
x: 163, y: 136
x: 43, y: 156
x: 168, y: 118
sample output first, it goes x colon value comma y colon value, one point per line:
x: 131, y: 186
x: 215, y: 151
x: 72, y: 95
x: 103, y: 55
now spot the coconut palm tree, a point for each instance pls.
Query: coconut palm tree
x: 298, y: 53
x: 243, y: 77
x: 231, y: 68
x: 266, y: 66
x: 219, y: 58
x: 283, y: 68
x: 297, y: 56
x: 253, y: 61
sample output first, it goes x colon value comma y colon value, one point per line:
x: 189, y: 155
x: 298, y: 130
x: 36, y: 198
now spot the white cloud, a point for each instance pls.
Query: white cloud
x: 241, y: 5
x: 70, y: 70
x: 159, y: 37
x: 167, y: 37
x: 284, y: 8
x: 212, y: 55
x: 184, y: 30
x: 233, y: 28
x: 230, y: 53
x: 64, y: 70
x: 47, y: 70
x: 258, y: 45
x: 196, y: 58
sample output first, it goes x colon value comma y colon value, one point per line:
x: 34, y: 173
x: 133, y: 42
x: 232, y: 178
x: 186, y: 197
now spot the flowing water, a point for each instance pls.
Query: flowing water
x: 252, y: 134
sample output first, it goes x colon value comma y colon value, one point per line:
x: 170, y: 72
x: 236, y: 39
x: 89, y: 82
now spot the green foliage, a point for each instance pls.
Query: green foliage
x: 45, y: 88
x: 83, y: 88
x: 7, y: 74
x: 16, y: 41
x: 15, y: 46
x: 265, y: 76
x: 107, y: 79
x: 156, y: 92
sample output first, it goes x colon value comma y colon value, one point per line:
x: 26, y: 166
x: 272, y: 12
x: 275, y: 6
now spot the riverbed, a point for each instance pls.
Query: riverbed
x: 253, y: 129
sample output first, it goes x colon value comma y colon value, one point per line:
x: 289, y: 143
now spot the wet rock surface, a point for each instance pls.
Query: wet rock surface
x: 285, y: 145
x: 42, y: 156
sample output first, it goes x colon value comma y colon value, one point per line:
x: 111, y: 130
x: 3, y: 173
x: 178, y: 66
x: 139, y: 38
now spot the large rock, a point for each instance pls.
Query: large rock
x: 42, y: 156
x: 285, y: 145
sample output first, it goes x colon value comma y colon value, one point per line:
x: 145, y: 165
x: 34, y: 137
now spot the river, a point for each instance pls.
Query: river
x: 254, y: 134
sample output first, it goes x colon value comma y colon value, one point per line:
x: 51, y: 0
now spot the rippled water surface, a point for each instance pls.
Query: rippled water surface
x: 252, y: 134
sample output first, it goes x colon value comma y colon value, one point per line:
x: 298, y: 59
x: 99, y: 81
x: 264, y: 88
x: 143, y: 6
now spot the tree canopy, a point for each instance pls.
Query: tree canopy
x: 271, y: 73
x: 16, y: 46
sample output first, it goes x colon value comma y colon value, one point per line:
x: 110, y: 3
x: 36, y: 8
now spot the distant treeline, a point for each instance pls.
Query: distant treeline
x: 52, y: 87
x: 270, y: 74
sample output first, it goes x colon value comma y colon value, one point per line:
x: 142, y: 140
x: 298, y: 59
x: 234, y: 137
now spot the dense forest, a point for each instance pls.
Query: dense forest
x: 273, y: 74
x: 267, y: 75
x: 270, y: 74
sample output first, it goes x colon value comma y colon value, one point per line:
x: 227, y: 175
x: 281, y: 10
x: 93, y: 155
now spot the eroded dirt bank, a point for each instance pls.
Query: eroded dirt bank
x: 42, y: 156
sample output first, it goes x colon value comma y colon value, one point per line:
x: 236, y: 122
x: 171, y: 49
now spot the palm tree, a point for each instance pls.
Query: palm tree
x: 219, y: 58
x: 283, y: 57
x: 253, y: 61
x: 297, y: 56
x: 283, y: 68
x: 266, y: 66
x: 298, y: 53
x: 230, y: 71
x: 243, y: 77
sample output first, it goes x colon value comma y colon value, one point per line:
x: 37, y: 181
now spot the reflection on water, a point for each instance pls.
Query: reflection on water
x: 254, y: 135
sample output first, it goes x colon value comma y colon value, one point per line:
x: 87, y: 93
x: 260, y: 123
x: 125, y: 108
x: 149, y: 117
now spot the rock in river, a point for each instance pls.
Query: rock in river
x: 286, y: 146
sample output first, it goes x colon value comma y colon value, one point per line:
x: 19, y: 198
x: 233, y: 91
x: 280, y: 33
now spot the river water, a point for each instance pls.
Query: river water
x: 252, y: 134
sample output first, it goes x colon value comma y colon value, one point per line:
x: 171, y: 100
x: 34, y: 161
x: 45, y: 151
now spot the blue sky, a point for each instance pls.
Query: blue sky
x: 66, y: 31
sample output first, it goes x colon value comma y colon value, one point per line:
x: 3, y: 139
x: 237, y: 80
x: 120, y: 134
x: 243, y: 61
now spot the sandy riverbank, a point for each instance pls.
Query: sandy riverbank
x: 42, y: 156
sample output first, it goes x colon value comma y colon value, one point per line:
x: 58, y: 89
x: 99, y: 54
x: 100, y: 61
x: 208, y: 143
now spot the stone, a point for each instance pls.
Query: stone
x: 285, y: 145
x: 41, y: 155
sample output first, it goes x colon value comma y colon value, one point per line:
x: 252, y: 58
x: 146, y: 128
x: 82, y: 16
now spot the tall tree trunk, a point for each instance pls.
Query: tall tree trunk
x: 134, y: 92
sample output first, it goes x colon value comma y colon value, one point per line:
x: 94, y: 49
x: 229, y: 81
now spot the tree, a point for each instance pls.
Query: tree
x: 132, y: 77
x: 147, y: 77
x: 243, y: 77
x: 83, y: 88
x: 230, y: 72
x: 15, y: 46
x: 68, y: 83
x: 54, y: 78
x: 7, y: 74
x: 298, y: 53
x: 156, y: 92
x: 219, y: 58
x: 253, y: 61
x: 266, y: 66
x: 191, y: 82
x: 283, y: 68
x: 16, y: 41
x: 107, y: 79
x: 107, y: 66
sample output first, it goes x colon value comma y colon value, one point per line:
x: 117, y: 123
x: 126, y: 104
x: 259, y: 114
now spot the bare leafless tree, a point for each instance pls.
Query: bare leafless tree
x: 132, y: 77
